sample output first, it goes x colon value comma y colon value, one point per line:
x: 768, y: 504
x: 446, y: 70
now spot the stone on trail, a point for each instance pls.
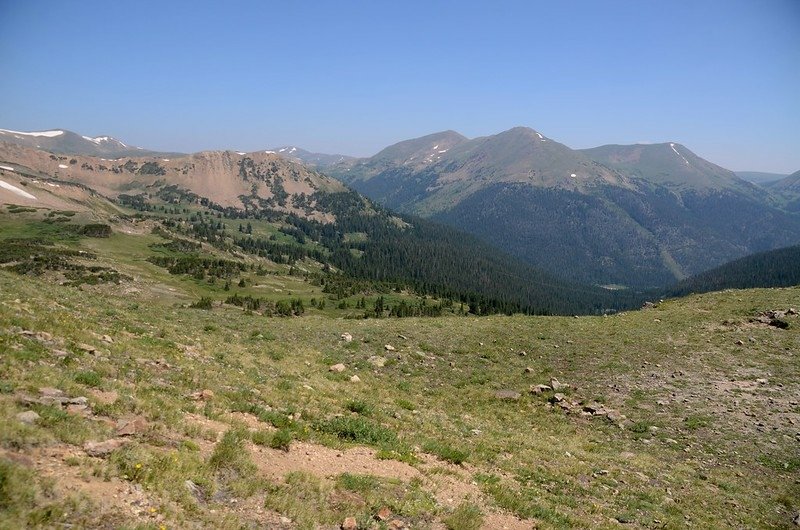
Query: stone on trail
x: 337, y: 368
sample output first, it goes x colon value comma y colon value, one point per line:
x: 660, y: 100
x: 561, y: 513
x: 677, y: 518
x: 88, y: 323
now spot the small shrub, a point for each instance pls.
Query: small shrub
x: 281, y: 439
x: 203, y: 303
x: 96, y: 230
x: 357, y: 483
x: 231, y: 455
x: 88, y: 378
x: 696, y: 421
x: 466, y: 516
x: 405, y: 404
x: 359, y: 430
x: 360, y: 407
x: 639, y: 427
x: 261, y: 437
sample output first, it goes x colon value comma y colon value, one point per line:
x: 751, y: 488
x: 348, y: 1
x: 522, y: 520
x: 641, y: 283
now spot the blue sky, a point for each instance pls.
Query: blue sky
x: 721, y: 77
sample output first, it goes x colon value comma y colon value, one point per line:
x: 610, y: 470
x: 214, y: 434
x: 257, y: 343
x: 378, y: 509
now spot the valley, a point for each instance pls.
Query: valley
x: 174, y: 360
x: 641, y: 216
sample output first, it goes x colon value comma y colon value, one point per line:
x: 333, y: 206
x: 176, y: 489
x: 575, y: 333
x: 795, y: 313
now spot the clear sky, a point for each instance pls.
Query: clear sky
x: 721, y: 77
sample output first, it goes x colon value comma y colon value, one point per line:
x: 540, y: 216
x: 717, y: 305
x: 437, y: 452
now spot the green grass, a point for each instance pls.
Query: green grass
x: 466, y: 516
x: 701, y: 467
x: 446, y: 452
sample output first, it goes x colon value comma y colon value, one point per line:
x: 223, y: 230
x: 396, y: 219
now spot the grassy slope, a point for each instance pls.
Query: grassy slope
x: 723, y: 452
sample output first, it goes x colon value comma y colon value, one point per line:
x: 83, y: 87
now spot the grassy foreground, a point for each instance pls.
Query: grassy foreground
x: 227, y: 419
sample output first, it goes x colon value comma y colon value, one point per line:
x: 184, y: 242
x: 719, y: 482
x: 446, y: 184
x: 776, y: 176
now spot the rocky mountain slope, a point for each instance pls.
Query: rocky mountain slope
x: 226, y: 178
x: 632, y: 215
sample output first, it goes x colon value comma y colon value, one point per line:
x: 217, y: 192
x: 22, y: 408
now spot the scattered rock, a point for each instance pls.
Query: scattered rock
x: 88, y: 348
x: 202, y: 395
x: 349, y: 524
x: 60, y: 354
x: 51, y: 396
x: 347, y: 337
x: 396, y: 524
x: 762, y: 381
x: 107, y: 339
x: 337, y: 368
x: 377, y: 361
x: 81, y: 410
x: 796, y: 519
x: 557, y: 398
x: 195, y: 490
x: 131, y: 425
x: 595, y: 409
x: 389, y: 347
x: 106, y: 398
x: 28, y: 417
x: 739, y: 342
x: 402, y: 337
x: 355, y: 379
x: 52, y: 392
x: 102, y: 449
x: 528, y: 370
x: 507, y: 395
x: 538, y: 389
x: 383, y: 514
x: 616, y: 418
x: 556, y: 385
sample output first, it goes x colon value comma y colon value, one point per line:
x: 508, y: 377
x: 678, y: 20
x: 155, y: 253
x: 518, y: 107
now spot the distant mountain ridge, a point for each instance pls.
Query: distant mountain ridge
x: 760, y: 177
x: 787, y: 189
x: 61, y: 141
x: 639, y: 215
x: 316, y: 160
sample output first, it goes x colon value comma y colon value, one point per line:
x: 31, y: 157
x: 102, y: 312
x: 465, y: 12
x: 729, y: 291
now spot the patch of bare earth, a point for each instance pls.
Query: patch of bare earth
x: 450, y: 484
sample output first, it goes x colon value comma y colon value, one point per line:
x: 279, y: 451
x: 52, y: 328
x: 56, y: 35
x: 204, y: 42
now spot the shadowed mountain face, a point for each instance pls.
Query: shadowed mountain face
x: 641, y: 215
x: 787, y: 191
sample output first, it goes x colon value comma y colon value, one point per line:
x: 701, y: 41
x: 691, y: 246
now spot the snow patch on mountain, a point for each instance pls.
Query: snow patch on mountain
x: 47, y: 134
x: 16, y: 190
x: 680, y: 155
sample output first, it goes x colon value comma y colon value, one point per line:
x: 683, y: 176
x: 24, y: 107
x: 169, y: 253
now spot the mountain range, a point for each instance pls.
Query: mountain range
x: 636, y: 215
x: 317, y: 218
x: 67, y: 142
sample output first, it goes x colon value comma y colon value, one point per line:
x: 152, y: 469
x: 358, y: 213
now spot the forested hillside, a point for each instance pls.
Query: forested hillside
x: 776, y: 268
